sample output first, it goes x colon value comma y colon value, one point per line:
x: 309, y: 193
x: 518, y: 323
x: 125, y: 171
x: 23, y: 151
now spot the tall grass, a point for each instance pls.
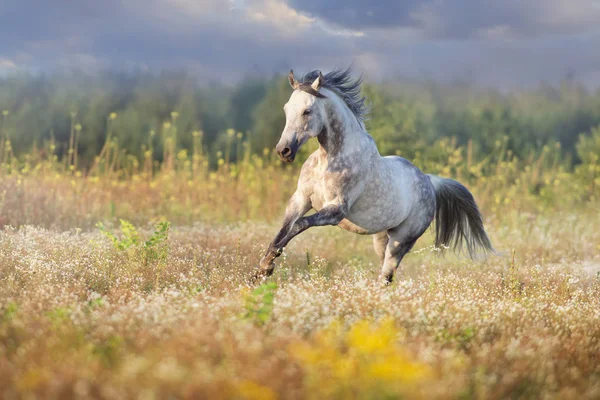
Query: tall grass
x: 42, y: 189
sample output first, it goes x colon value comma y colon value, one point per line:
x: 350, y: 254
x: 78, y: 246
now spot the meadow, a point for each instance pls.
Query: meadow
x: 128, y: 278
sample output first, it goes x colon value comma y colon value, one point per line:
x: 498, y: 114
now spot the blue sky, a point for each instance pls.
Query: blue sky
x: 507, y: 43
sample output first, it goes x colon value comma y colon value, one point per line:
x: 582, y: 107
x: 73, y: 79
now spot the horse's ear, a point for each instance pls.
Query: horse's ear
x: 293, y: 82
x: 316, y: 85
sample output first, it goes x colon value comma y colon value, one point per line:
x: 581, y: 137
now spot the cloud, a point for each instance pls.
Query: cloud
x: 502, y: 63
x: 357, y: 14
x: 460, y: 18
x: 278, y: 15
x: 502, y: 42
x: 6, y: 64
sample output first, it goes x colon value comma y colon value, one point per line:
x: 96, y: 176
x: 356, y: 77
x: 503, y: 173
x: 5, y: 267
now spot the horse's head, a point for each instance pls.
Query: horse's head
x: 304, y: 117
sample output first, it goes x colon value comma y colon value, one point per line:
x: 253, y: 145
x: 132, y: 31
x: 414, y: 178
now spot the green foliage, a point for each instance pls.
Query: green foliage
x: 588, y: 147
x: 406, y: 116
x: 9, y: 312
x: 588, y: 151
x: 109, y: 350
x: 95, y: 303
x: 130, y: 236
x: 153, y: 249
x: 59, y: 316
x: 460, y: 338
x: 259, y: 303
x: 269, y: 118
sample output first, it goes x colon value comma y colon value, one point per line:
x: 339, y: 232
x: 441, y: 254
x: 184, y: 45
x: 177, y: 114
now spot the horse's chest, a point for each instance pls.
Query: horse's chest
x: 327, y: 185
x: 317, y: 198
x: 324, y: 187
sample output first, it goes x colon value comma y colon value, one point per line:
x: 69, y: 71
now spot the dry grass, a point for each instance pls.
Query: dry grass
x: 82, y: 316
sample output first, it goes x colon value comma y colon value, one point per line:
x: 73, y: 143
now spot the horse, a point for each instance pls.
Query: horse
x: 349, y: 184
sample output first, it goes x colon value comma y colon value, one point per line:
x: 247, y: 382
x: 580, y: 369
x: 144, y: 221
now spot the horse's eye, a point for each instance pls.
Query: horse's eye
x: 306, y: 112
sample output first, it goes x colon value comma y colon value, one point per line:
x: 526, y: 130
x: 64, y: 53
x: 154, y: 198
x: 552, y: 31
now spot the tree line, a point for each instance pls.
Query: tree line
x: 406, y: 117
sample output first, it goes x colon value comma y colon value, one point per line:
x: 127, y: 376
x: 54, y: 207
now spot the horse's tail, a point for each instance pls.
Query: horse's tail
x: 457, y: 218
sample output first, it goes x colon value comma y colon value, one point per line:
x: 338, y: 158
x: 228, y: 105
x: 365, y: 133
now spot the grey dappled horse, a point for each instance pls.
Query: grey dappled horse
x: 352, y: 186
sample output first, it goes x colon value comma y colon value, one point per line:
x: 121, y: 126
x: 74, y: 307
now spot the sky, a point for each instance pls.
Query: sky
x: 505, y: 43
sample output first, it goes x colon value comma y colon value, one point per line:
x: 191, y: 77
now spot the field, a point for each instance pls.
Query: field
x: 129, y: 280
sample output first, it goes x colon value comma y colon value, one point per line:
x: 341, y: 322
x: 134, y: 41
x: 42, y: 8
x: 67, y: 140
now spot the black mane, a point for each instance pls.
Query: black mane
x: 341, y: 82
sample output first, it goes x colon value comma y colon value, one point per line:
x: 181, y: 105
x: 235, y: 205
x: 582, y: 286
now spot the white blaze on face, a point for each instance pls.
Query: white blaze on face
x: 301, y: 117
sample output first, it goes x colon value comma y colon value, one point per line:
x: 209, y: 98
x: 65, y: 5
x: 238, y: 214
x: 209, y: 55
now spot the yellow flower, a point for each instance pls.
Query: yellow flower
x: 365, y: 359
x: 253, y: 391
x: 182, y: 155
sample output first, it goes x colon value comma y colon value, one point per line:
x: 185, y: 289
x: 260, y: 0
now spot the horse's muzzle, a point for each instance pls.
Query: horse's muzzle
x: 287, y: 153
x: 287, y: 157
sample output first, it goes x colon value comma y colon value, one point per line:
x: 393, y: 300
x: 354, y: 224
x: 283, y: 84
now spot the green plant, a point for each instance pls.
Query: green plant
x: 59, y: 315
x: 9, y: 312
x: 259, y: 303
x: 108, y: 351
x: 95, y: 303
x: 153, y: 249
x: 130, y: 236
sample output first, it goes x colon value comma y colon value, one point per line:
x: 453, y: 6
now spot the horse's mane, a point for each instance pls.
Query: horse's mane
x: 341, y: 82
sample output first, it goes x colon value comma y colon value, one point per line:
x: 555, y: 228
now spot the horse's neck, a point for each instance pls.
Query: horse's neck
x: 343, y: 134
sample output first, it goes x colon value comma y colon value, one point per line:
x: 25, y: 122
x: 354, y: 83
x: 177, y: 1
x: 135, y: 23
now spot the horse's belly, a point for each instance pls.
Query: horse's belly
x: 372, y: 219
x: 379, y: 208
x: 352, y: 227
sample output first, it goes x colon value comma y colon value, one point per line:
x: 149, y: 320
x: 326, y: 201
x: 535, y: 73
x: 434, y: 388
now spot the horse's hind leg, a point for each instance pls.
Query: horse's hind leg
x: 395, y: 251
x: 400, y: 241
x: 380, y: 242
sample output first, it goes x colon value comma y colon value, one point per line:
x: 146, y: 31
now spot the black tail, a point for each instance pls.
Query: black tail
x: 457, y: 218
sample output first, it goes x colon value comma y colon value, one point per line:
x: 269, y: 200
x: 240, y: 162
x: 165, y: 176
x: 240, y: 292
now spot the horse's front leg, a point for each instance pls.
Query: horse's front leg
x: 331, y: 214
x: 298, y: 205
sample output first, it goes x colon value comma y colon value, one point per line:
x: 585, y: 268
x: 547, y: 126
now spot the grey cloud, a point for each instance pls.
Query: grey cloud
x: 359, y: 14
x: 158, y: 33
x: 460, y: 18
x: 223, y: 40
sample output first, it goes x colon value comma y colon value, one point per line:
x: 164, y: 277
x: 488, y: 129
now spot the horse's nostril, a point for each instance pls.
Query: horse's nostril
x: 286, y: 152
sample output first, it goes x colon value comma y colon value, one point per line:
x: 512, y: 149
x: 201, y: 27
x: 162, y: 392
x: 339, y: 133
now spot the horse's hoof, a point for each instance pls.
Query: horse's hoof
x: 256, y: 278
x: 259, y: 276
x: 384, y: 281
